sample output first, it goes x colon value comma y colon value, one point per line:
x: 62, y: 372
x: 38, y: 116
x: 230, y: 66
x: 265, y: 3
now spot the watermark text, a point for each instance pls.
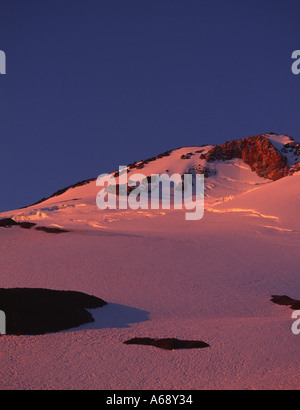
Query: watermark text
x: 296, y: 324
x: 2, y: 62
x: 2, y: 323
x: 152, y: 192
x: 296, y: 63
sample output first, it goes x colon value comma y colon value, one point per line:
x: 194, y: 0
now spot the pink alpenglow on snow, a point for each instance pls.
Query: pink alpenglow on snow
x: 166, y: 278
x: 143, y: 192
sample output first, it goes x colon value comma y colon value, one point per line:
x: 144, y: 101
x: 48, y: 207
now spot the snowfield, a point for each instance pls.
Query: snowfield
x: 163, y: 277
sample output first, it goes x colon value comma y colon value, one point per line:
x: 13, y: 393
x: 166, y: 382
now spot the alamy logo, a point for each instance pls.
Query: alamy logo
x: 296, y: 64
x: 154, y: 192
x: 296, y: 324
x: 2, y: 62
x: 2, y: 323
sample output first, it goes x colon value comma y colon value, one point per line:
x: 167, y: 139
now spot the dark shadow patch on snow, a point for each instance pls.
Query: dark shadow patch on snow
x: 40, y: 311
x: 286, y: 301
x: 115, y: 316
x: 51, y: 230
x: 168, y: 344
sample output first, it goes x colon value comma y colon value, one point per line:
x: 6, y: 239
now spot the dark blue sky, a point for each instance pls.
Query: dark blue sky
x: 94, y: 84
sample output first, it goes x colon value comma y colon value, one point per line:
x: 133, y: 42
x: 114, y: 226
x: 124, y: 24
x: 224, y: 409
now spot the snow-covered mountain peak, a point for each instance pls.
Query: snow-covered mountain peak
x: 231, y: 169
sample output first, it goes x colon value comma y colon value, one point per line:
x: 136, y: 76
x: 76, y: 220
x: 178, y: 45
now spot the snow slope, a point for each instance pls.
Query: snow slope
x: 207, y: 280
x: 77, y: 206
x: 279, y: 201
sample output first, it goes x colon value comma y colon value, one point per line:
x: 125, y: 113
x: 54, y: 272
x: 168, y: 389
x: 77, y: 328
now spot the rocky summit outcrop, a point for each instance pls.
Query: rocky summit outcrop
x: 271, y: 156
x: 257, y: 152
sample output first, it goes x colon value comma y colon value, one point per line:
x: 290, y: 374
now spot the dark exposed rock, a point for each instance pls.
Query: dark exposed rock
x: 257, y: 152
x: 293, y: 147
x: 119, y: 190
x: 51, y: 230
x: 141, y: 164
x: 62, y: 191
x: 201, y: 170
x: 167, y: 344
x: 7, y: 223
x: 121, y: 172
x: 187, y: 156
x: 134, y: 165
x: 123, y: 190
x: 286, y: 301
x: 295, y: 168
x: 40, y: 311
x: 26, y: 225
